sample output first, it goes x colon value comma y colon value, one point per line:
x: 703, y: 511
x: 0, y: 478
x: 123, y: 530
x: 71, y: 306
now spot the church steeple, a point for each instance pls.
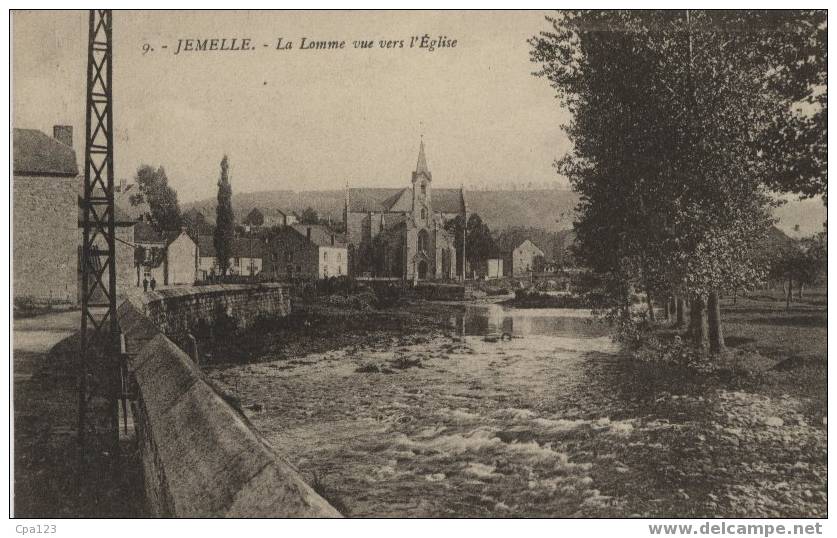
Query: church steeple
x: 421, y: 165
x: 422, y: 208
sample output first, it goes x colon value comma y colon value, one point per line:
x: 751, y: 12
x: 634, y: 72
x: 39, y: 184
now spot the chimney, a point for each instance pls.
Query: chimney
x: 308, y: 233
x: 64, y: 134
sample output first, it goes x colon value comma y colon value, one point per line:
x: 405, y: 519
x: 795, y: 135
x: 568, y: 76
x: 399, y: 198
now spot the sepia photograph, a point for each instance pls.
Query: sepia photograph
x: 428, y: 264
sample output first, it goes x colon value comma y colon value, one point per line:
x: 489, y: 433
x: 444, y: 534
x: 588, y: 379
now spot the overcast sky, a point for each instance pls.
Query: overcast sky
x: 302, y: 119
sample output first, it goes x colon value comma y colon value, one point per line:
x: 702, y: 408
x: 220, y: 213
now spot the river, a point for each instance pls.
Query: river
x: 467, y: 422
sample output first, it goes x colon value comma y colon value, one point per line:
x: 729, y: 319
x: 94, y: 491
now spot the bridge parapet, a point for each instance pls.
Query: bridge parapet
x: 201, y: 457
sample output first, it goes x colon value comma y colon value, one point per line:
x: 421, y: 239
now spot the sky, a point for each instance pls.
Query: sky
x: 302, y: 119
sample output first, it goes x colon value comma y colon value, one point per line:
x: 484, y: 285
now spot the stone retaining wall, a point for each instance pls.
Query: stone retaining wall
x: 201, y: 457
x: 179, y: 310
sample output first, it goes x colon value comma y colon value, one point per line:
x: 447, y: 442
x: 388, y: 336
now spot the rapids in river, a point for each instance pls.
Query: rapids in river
x: 544, y: 421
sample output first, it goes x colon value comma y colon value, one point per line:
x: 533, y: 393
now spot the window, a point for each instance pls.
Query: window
x: 325, y: 255
x: 424, y: 189
x: 236, y: 261
x: 422, y: 241
x: 423, y: 213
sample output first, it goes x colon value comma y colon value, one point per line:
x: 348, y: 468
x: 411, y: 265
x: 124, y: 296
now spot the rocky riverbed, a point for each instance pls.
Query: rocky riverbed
x: 552, y: 422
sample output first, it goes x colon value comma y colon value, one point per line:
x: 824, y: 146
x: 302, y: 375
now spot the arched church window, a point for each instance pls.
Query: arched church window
x: 423, y: 213
x: 424, y: 189
x: 422, y: 241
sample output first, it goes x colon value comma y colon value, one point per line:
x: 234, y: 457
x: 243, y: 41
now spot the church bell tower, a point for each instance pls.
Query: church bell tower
x: 422, y: 178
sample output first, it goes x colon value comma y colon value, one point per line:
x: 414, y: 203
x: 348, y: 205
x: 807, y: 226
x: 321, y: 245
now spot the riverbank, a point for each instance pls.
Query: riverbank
x: 317, y: 327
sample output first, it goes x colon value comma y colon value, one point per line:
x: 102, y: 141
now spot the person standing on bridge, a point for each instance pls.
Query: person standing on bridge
x: 153, y: 283
x: 145, y: 283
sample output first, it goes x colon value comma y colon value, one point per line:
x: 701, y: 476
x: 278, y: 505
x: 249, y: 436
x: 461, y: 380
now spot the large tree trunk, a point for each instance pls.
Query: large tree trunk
x: 697, y: 322
x: 789, y: 294
x: 716, y: 333
x: 680, y: 306
x: 650, y: 307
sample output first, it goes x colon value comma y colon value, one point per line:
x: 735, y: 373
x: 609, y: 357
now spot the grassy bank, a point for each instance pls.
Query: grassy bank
x: 771, y: 350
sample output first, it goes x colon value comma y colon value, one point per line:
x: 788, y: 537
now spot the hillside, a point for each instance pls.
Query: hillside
x: 550, y: 210
x: 547, y: 209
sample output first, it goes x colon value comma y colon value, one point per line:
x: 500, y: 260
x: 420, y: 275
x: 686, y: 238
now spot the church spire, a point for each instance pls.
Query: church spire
x: 421, y: 164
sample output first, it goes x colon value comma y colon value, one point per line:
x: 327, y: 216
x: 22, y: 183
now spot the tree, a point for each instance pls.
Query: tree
x: 479, y: 242
x: 797, y: 141
x: 309, y: 216
x: 800, y: 262
x: 672, y: 115
x: 153, y: 186
x: 224, y: 220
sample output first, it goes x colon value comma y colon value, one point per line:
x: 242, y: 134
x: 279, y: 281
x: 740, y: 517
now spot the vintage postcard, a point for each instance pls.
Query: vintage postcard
x: 420, y: 264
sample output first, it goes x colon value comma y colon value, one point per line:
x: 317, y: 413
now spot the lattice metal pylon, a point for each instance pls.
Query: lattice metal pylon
x: 99, y: 372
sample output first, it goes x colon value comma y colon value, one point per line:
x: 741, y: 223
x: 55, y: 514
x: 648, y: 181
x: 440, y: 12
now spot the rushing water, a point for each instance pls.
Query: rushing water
x: 469, y: 423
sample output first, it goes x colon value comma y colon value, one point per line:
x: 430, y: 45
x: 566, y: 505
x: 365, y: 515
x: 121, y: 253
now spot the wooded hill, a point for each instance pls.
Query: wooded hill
x: 550, y: 210
x: 547, y: 210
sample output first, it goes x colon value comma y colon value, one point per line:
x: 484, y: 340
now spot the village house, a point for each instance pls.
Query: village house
x: 169, y: 258
x: 491, y: 268
x: 310, y: 251
x: 246, y: 258
x: 181, y: 261
x: 45, y: 191
x: 401, y: 233
x: 268, y: 218
x: 526, y: 257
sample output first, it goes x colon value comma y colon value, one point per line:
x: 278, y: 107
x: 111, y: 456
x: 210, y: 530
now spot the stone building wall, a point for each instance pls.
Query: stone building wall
x: 126, y: 270
x: 44, y: 242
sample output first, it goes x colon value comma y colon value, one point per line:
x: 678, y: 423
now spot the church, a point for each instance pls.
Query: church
x: 400, y: 232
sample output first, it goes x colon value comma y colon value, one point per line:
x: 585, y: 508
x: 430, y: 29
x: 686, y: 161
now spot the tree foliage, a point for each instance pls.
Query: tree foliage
x: 309, y: 216
x: 673, y: 116
x: 479, y: 243
x: 224, y: 219
x: 153, y: 187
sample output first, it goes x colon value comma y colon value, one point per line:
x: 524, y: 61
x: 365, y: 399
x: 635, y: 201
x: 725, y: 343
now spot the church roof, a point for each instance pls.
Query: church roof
x: 36, y: 154
x: 382, y: 200
x: 448, y: 200
x: 391, y: 221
